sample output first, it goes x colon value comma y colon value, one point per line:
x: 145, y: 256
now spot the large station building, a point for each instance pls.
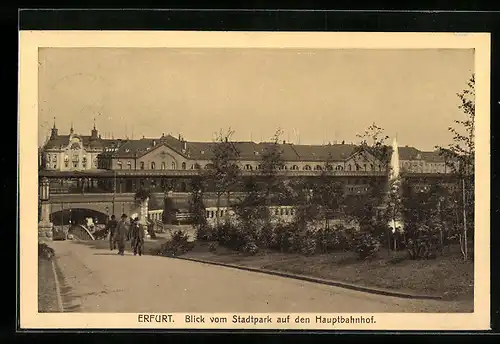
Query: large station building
x: 74, y: 152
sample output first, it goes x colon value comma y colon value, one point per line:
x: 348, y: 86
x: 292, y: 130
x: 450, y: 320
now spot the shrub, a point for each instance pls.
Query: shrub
x: 213, y: 247
x: 177, y: 245
x: 250, y: 248
x: 282, y: 238
x: 203, y: 232
x: 366, y: 245
x: 59, y: 233
x: 266, y: 236
x: 423, y: 245
x: 45, y: 252
x: 308, y: 245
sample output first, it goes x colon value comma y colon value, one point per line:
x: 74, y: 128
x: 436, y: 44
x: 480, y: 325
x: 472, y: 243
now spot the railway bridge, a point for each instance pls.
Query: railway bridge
x: 71, y: 196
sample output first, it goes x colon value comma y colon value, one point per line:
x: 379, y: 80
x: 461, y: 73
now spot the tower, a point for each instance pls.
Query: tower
x: 53, y: 133
x: 94, y: 133
x: 71, y: 129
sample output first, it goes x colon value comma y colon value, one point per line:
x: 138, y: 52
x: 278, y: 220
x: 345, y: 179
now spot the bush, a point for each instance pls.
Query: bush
x: 337, y: 238
x: 282, y: 238
x: 59, y: 233
x: 266, y: 236
x: 213, y: 247
x: 423, y: 245
x: 45, y: 252
x: 203, y: 232
x: 250, y: 248
x: 308, y: 245
x: 177, y: 245
x: 366, y: 245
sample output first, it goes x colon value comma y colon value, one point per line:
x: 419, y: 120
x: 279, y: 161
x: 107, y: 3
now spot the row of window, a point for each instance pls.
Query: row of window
x: 163, y: 166
x: 210, y: 214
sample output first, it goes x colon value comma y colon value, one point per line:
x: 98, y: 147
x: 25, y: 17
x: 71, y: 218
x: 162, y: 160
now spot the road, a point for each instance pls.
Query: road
x: 98, y: 280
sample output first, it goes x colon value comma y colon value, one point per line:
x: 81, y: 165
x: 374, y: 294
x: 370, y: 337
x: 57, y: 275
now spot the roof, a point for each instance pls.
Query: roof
x: 61, y: 141
x: 246, y: 150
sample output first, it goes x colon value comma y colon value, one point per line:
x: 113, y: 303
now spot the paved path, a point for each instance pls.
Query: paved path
x: 98, y: 280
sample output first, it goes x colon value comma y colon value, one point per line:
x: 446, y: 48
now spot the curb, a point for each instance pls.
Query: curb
x: 344, y: 285
x: 58, y: 288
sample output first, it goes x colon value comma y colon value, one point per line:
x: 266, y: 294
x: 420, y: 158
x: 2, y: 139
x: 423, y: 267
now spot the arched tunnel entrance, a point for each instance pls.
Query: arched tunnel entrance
x: 77, y: 216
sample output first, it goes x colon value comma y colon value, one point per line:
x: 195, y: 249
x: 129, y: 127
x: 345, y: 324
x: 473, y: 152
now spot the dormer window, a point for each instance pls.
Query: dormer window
x: 127, y: 150
x: 202, y: 152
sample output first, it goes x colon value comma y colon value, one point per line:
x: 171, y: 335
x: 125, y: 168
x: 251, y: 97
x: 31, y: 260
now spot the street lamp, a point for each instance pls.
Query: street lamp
x: 44, y: 189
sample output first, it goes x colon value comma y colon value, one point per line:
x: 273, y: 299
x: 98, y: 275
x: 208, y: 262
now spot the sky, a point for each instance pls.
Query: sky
x: 315, y: 96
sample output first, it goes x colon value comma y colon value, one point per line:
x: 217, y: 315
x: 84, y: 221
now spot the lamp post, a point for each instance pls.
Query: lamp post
x: 114, y: 190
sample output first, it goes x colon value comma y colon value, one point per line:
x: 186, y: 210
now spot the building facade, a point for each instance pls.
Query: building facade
x: 170, y: 153
x: 73, y: 152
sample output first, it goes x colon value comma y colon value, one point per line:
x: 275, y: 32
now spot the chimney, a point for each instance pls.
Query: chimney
x: 179, y: 137
x: 184, y: 145
x: 284, y: 142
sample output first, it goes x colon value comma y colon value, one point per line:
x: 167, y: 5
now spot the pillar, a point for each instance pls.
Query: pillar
x: 44, y: 226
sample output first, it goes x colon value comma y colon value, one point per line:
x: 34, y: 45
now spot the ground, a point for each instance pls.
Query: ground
x: 96, y: 279
x: 47, y: 295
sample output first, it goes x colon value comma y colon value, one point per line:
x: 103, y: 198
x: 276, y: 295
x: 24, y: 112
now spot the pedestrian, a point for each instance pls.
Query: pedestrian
x: 131, y: 233
x: 138, y: 238
x: 121, y: 233
x: 112, y: 232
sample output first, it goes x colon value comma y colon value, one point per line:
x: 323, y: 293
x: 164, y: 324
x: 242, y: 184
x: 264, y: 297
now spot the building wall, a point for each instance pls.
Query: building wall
x: 73, y: 157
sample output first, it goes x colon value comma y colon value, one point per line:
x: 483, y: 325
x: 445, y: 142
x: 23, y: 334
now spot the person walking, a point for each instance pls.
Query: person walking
x: 138, y: 238
x: 112, y: 232
x: 121, y: 234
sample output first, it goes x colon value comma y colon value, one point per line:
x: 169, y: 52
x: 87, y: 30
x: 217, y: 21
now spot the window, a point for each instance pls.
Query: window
x: 162, y: 165
x: 196, y: 166
x: 276, y: 212
x: 153, y: 165
x: 307, y: 167
x: 349, y: 167
x: 248, y: 167
x: 282, y: 211
x: 183, y: 165
x: 339, y: 168
x: 295, y: 167
x: 142, y: 165
x: 372, y: 167
x: 174, y: 167
x: 129, y: 164
x: 318, y: 168
x: 364, y: 166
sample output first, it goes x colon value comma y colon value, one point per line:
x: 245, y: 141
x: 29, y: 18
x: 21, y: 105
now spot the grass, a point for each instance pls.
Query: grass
x: 447, y: 275
x: 47, y: 295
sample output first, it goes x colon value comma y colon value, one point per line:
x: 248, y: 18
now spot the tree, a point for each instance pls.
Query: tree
x: 460, y: 158
x: 224, y: 172
x: 271, y: 163
x: 328, y: 193
x: 197, y: 208
x: 373, y: 141
x: 168, y: 210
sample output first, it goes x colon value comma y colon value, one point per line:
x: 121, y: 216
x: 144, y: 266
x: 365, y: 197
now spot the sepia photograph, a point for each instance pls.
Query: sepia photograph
x: 245, y: 178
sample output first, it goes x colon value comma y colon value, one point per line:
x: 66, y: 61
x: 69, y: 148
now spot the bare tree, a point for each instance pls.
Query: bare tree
x: 224, y: 171
x: 460, y: 159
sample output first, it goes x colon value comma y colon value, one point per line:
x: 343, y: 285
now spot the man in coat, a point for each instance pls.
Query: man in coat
x: 112, y: 232
x: 137, y: 238
x: 121, y: 234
